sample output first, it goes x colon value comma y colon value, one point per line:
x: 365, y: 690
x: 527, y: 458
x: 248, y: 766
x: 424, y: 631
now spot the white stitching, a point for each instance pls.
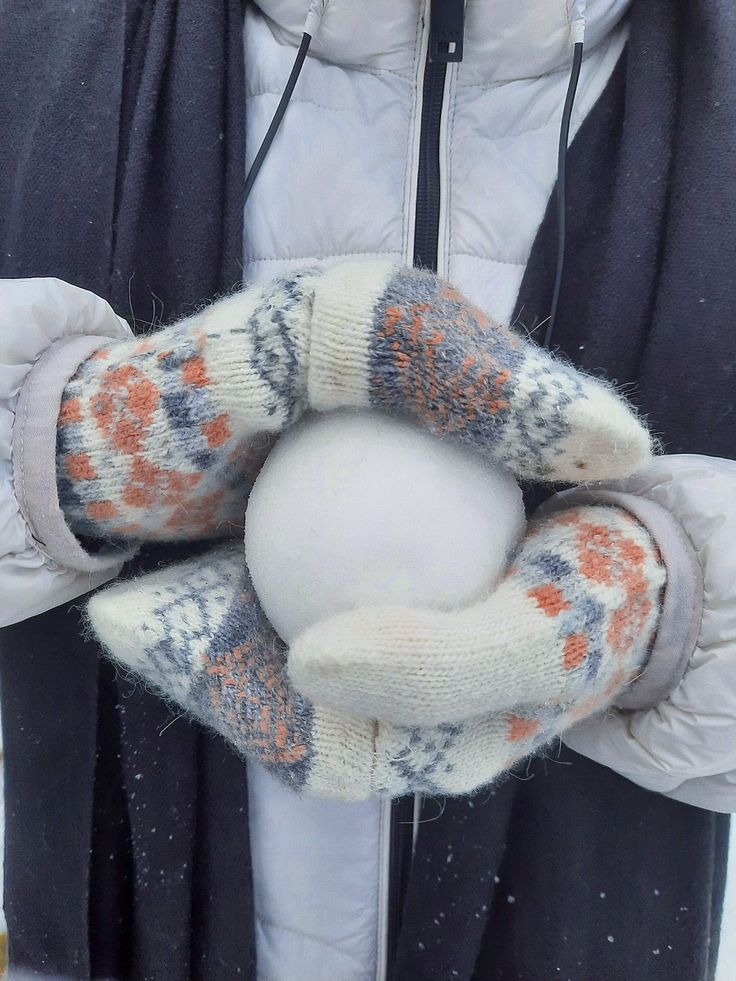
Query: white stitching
x: 488, y: 258
x: 411, y: 120
x: 317, y: 258
x: 450, y: 169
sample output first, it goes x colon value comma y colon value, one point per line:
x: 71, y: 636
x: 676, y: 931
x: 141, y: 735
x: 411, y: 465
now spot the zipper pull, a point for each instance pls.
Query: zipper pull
x: 446, y: 29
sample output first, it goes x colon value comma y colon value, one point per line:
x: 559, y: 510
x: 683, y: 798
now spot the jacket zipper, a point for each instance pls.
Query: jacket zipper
x: 427, y: 214
x: 447, y: 26
x: 445, y: 44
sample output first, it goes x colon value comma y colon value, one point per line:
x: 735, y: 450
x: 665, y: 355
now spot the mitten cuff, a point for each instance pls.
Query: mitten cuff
x: 34, y: 459
x: 343, y: 313
x: 682, y: 601
x: 343, y: 761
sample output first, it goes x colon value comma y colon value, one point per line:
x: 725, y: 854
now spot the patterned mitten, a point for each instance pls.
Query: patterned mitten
x: 406, y: 341
x: 194, y: 633
x: 570, y: 625
x: 157, y: 438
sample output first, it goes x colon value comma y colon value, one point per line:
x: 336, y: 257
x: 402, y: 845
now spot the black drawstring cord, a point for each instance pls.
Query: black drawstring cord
x: 279, y: 114
x: 561, y: 158
x: 577, y: 59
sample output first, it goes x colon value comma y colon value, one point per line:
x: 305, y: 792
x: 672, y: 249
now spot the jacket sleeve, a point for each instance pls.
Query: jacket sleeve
x: 47, y: 328
x: 674, y: 731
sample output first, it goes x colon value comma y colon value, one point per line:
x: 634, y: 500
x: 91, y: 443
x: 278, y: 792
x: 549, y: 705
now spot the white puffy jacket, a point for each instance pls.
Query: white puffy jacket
x: 47, y: 328
x: 353, y: 134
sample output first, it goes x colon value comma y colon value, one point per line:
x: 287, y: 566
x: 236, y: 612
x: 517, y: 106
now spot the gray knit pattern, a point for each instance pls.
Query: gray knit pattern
x: 439, y: 358
x: 200, y: 638
x: 160, y: 438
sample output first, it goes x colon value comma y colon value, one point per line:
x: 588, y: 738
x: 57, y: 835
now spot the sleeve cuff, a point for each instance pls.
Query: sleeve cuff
x: 682, y: 603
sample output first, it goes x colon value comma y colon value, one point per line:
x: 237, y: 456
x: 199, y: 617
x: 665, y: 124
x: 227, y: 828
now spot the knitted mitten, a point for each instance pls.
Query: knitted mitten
x: 404, y: 340
x: 584, y: 600
x: 572, y: 622
x: 157, y: 438
x: 195, y: 633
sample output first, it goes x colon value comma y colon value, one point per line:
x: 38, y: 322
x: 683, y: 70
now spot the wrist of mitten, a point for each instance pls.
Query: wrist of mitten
x: 585, y: 592
x: 158, y: 438
x: 681, y: 598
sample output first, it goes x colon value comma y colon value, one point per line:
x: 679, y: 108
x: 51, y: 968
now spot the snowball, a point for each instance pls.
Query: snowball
x: 362, y: 509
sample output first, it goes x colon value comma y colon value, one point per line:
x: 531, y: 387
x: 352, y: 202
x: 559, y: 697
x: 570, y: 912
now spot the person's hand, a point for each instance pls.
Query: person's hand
x: 159, y: 438
x: 195, y: 633
x: 674, y: 730
x: 358, y: 335
x: 568, y: 628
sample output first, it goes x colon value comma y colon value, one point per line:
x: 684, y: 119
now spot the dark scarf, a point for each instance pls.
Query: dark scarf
x: 121, y: 169
x: 649, y: 298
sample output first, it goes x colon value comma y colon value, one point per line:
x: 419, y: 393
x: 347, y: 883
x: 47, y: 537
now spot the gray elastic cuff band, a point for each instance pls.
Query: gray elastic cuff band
x: 682, y: 603
x: 34, y: 456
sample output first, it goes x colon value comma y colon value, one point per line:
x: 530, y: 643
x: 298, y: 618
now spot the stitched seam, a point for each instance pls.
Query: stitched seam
x: 376, y: 72
x: 409, y: 133
x: 318, y: 105
x: 575, y: 120
x: 500, y: 83
x: 304, y: 933
x: 368, y: 119
x: 563, y: 70
x: 338, y: 255
x: 315, y: 258
x: 271, y: 23
x: 450, y: 170
x: 489, y: 258
x: 279, y: 92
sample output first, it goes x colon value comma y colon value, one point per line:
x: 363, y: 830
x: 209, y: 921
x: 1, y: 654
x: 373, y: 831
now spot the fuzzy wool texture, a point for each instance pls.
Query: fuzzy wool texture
x: 431, y: 354
x: 358, y: 509
x: 159, y: 438
x: 573, y: 622
x: 196, y: 634
x: 156, y: 440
